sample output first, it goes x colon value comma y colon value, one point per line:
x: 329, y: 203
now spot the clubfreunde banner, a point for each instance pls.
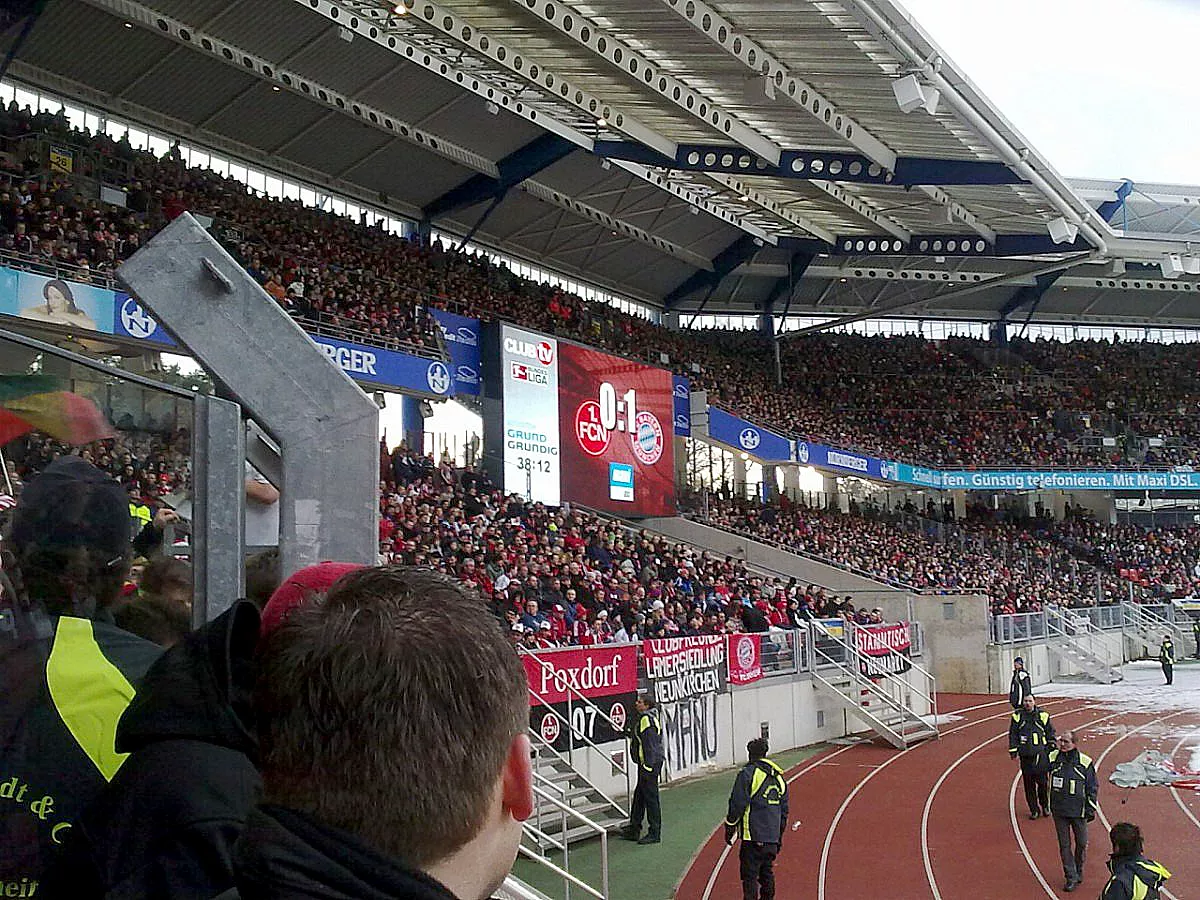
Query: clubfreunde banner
x: 883, y: 649
x: 745, y: 658
x: 607, y: 676
x: 683, y: 668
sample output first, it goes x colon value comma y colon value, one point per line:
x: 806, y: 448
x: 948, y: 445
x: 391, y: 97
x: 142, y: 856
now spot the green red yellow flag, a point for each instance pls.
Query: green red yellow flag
x: 34, y: 403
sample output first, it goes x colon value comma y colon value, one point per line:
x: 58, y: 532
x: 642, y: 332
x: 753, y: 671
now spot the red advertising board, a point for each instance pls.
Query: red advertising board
x: 884, y: 649
x: 605, y: 675
x: 745, y: 658
x: 616, y: 433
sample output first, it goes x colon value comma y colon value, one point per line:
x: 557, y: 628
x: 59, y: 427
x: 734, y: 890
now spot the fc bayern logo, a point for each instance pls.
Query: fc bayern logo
x: 438, y: 378
x: 593, y: 437
x: 802, y: 451
x: 647, y: 438
x: 745, y: 653
x: 749, y: 439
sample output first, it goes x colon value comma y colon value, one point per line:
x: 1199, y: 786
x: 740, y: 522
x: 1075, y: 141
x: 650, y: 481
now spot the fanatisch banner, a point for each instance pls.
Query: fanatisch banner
x: 605, y: 675
x: 461, y: 335
x: 883, y: 649
x: 745, y: 658
x: 755, y: 440
x: 681, y: 390
x: 683, y: 668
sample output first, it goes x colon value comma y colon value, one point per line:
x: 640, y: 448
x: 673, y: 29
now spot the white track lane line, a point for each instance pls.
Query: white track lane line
x: 712, y: 878
x: 938, y: 784
x: 1175, y: 791
x: 1103, y: 818
x: 1012, y: 815
x: 858, y: 787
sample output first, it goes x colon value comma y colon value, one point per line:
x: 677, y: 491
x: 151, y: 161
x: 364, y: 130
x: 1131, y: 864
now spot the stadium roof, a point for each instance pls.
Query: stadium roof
x: 737, y: 156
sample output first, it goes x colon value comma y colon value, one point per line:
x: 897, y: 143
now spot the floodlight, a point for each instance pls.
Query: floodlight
x: 909, y: 93
x: 1062, y: 231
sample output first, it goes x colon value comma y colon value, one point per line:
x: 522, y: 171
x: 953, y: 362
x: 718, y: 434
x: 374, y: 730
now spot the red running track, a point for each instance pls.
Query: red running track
x: 947, y: 819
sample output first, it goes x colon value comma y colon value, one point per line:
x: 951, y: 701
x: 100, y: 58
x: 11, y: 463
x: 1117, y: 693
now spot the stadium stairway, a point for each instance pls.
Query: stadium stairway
x: 1146, y: 628
x: 1074, y: 639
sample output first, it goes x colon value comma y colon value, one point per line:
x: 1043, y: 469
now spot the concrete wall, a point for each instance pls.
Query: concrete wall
x: 956, y: 637
x: 767, y: 557
x: 1043, y: 665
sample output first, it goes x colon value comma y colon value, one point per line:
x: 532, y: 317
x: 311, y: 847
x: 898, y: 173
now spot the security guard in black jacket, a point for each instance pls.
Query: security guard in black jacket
x: 67, y: 673
x: 1073, y: 790
x: 1030, y: 739
x: 1134, y: 877
x: 758, y: 813
x: 646, y: 752
x: 1166, y: 658
x: 1021, y: 685
x: 1196, y: 634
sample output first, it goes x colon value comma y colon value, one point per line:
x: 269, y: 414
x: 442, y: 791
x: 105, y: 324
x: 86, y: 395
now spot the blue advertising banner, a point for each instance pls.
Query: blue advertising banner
x: 131, y: 319
x: 681, y: 389
x: 810, y: 454
x: 754, y: 439
x: 387, y: 368
x: 1073, y: 480
x: 461, y: 335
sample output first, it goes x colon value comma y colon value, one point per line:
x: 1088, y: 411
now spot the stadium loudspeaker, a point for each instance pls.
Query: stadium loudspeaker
x: 1062, y: 231
x: 909, y: 93
x: 1171, y: 265
x: 1191, y: 265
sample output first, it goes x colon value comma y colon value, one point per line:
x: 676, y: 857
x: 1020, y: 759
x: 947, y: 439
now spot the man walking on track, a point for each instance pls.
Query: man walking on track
x: 646, y: 752
x: 1022, y: 685
x: 1134, y: 877
x: 1030, y: 738
x: 1166, y: 657
x: 1073, y: 789
x: 758, y: 811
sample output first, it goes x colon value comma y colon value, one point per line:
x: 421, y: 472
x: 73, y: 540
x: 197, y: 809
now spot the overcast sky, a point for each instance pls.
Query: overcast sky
x: 1101, y: 88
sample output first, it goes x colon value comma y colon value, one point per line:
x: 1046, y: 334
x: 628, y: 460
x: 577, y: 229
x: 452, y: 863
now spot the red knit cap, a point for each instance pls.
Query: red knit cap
x: 299, y: 588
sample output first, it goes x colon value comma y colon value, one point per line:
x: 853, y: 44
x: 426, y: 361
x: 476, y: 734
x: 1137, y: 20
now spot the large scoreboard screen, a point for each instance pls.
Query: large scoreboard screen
x: 581, y: 426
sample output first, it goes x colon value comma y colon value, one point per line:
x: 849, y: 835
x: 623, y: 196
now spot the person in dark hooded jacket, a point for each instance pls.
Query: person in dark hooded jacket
x: 166, y: 825
x: 1134, y: 877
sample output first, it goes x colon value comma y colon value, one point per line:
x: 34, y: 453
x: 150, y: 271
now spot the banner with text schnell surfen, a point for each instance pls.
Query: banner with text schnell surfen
x: 606, y: 676
x: 682, y: 668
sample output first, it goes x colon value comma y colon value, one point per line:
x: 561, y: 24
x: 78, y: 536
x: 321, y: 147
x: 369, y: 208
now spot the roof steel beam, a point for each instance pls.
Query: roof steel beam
x: 540, y: 153
x: 864, y: 209
x: 605, y: 45
x: 217, y: 48
x: 1030, y: 295
x: 750, y: 194
x: 758, y: 60
x: 489, y: 50
x: 959, y: 212
x: 200, y: 41
x: 952, y: 293
x: 621, y: 226
x: 740, y: 251
x: 817, y: 165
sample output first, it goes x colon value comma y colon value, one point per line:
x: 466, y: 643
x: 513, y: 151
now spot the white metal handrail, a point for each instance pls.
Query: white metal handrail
x: 853, y: 664
x: 563, y: 871
x: 618, y: 764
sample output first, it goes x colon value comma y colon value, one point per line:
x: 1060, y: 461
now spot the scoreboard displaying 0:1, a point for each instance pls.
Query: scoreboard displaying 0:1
x: 580, y: 425
x: 614, y: 420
